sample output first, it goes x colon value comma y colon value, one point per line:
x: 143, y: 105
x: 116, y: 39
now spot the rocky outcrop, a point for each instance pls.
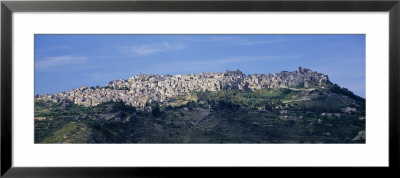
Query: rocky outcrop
x: 141, y: 89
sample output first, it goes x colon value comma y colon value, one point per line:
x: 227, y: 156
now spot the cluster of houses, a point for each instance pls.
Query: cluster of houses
x: 141, y: 89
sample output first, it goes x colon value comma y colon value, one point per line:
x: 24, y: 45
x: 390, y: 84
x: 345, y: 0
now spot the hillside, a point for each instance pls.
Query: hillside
x: 318, y: 113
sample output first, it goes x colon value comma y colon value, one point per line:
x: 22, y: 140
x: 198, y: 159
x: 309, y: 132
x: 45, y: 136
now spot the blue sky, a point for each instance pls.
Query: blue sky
x: 64, y: 62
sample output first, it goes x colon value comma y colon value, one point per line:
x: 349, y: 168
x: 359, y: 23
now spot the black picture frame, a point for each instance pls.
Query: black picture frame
x: 8, y: 7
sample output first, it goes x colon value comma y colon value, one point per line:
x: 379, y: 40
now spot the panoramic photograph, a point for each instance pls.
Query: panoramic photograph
x: 199, y: 89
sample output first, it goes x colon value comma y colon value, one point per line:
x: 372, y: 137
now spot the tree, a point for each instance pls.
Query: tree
x: 155, y: 110
x: 268, y: 107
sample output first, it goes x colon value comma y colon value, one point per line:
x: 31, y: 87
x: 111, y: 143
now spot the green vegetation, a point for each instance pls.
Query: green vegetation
x: 48, y: 108
x: 344, y: 91
x: 225, y: 116
x: 124, y: 88
x: 77, y: 132
x: 145, y: 79
x: 248, y: 99
x: 46, y: 128
x: 51, y: 109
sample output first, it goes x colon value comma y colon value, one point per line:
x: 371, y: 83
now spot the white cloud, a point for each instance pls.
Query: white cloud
x: 153, y: 48
x: 258, y: 42
x: 234, y: 40
x: 59, y: 61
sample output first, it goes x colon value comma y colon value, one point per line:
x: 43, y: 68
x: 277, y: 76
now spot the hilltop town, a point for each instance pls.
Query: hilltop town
x: 144, y: 88
x: 301, y: 106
